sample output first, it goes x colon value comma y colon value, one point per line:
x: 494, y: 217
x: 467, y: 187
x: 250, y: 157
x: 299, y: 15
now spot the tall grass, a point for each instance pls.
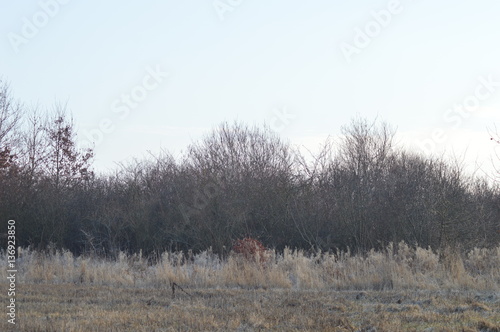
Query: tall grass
x: 396, y: 267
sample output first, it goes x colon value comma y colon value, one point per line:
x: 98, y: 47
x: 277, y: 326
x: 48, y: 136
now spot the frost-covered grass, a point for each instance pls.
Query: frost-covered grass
x: 396, y: 267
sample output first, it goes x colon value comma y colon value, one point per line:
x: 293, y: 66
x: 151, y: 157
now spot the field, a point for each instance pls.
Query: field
x: 397, y: 289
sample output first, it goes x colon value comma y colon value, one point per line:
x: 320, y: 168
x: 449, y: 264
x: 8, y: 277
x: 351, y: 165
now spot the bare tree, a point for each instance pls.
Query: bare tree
x: 495, y: 137
x: 34, y: 145
x: 10, y: 117
x: 364, y: 155
x: 65, y: 162
x: 242, y: 175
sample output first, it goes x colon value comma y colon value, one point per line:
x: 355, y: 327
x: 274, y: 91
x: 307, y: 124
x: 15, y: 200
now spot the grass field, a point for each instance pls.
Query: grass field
x: 398, y: 289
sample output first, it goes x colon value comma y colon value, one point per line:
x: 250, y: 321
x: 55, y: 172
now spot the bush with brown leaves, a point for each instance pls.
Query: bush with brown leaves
x: 251, y: 249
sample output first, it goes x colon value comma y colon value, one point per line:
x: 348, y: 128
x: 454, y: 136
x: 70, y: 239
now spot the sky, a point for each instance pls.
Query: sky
x: 146, y: 76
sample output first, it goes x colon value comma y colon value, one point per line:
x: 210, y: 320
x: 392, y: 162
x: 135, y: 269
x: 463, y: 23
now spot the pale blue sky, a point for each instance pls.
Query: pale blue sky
x: 262, y: 56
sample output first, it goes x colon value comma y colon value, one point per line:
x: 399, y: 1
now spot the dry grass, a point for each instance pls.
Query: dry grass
x: 398, y: 289
x: 70, y: 307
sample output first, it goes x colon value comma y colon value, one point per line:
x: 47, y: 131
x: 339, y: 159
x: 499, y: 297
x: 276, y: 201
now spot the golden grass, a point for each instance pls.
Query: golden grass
x: 83, y: 307
x: 397, y: 289
x: 397, y: 267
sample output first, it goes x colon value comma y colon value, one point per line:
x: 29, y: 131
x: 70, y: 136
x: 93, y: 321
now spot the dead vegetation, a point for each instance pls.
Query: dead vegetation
x: 398, y: 267
x: 83, y: 307
x: 398, y: 289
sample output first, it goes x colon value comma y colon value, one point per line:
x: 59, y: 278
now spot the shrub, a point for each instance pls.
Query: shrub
x: 251, y: 249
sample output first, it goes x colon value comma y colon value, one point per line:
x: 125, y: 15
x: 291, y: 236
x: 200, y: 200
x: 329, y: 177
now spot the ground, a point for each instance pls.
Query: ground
x: 86, y: 307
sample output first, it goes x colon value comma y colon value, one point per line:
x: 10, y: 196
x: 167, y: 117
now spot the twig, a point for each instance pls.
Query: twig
x: 173, y: 284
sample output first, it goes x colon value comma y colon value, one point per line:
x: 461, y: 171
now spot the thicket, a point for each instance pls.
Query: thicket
x: 360, y: 192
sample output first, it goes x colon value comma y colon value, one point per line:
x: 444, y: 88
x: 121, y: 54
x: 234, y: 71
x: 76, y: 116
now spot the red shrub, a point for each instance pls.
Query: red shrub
x: 252, y: 249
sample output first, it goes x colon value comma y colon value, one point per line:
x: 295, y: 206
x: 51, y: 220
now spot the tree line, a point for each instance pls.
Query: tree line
x: 360, y: 191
